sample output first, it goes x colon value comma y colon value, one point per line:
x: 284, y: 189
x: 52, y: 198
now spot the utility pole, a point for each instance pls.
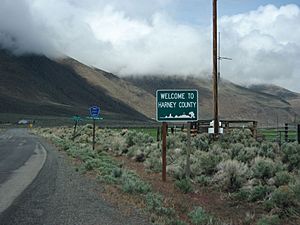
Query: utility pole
x: 215, y: 69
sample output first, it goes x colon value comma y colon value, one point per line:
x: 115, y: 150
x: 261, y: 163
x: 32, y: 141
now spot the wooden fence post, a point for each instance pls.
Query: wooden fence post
x: 286, y: 132
x: 298, y: 133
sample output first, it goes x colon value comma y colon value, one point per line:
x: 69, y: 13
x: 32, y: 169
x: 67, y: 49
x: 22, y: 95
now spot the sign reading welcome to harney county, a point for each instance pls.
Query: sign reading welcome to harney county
x: 176, y: 105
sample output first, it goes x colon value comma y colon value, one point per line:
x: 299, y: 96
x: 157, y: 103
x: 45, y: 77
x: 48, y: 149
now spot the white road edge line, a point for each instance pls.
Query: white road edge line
x: 22, y: 177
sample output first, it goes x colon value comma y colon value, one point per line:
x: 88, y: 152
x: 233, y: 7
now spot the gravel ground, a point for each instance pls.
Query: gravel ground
x: 61, y: 196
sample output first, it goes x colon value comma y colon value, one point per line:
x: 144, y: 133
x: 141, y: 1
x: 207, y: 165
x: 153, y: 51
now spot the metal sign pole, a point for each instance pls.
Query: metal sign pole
x: 164, y: 151
x: 94, y: 125
x: 75, y: 126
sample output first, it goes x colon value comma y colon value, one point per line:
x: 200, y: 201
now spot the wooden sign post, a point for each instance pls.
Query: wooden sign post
x: 164, y: 151
x: 175, y: 106
x: 188, y: 152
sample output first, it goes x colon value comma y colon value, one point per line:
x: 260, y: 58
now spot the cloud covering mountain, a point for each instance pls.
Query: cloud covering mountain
x: 144, y: 37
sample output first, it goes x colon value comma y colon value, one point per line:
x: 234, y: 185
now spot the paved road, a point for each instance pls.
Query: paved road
x: 21, y: 159
x: 58, y: 195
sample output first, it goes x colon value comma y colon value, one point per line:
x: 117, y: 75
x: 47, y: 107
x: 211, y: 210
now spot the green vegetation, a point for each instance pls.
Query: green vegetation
x: 110, y: 171
x: 271, y: 134
x: 269, y: 220
x: 184, y: 185
x: 200, y: 217
x: 237, y: 164
x: 155, y: 204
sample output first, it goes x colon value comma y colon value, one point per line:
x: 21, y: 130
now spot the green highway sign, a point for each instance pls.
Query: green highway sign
x: 94, y: 118
x: 176, y: 105
x: 76, y: 118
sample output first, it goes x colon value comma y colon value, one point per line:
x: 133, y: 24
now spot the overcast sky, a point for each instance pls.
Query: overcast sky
x: 162, y: 37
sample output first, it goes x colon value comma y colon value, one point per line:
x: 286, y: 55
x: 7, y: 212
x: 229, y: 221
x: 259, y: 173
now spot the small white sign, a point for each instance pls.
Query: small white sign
x: 211, y: 130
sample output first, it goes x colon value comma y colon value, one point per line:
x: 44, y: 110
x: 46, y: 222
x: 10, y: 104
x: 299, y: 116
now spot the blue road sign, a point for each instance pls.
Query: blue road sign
x: 94, y: 111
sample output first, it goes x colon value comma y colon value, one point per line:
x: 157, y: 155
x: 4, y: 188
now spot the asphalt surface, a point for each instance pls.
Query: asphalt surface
x: 58, y: 195
x: 16, y: 147
x: 21, y: 160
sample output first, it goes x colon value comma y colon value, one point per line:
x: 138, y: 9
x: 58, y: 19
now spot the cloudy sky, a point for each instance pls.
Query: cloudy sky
x: 164, y: 37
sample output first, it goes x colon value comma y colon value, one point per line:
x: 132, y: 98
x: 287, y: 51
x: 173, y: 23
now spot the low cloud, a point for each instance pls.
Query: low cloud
x: 265, y: 46
x: 128, y: 39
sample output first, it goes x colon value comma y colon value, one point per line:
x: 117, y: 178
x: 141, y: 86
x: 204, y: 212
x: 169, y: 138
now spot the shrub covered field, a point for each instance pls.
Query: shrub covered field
x: 260, y: 179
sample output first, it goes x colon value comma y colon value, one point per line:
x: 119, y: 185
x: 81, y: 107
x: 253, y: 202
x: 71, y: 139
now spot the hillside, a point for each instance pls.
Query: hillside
x: 37, y: 85
x: 275, y: 90
x: 292, y: 98
x: 236, y: 102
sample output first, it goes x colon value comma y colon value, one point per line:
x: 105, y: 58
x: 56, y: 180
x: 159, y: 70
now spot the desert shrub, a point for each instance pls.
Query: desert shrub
x: 117, y: 172
x: 238, y: 136
x: 291, y: 155
x: 269, y: 220
x: 282, y: 178
x: 136, y: 153
x: 242, y: 195
x: 176, y: 222
x: 184, y: 185
x: 177, y: 170
x: 235, y: 149
x: 132, y: 151
x: 176, y: 141
x: 268, y: 150
x: 129, y: 138
x: 220, y: 151
x: 207, y: 163
x: 91, y: 164
x: 154, y: 162
x: 282, y: 199
x: 203, y: 180
x: 247, y: 154
x: 143, y: 139
x: 137, y: 138
x: 118, y: 145
x: 199, y: 217
x: 81, y: 153
x: 248, y: 219
x: 259, y: 192
x: 154, y: 203
x: 201, y: 142
x: 108, y: 179
x: 295, y: 187
x: 131, y: 183
x: 263, y: 168
x: 231, y: 175
x: 106, y: 168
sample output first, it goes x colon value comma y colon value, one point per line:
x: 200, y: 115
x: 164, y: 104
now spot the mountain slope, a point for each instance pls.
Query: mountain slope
x: 236, y: 102
x: 38, y: 85
x: 135, y: 97
x: 275, y: 90
x: 292, y: 98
